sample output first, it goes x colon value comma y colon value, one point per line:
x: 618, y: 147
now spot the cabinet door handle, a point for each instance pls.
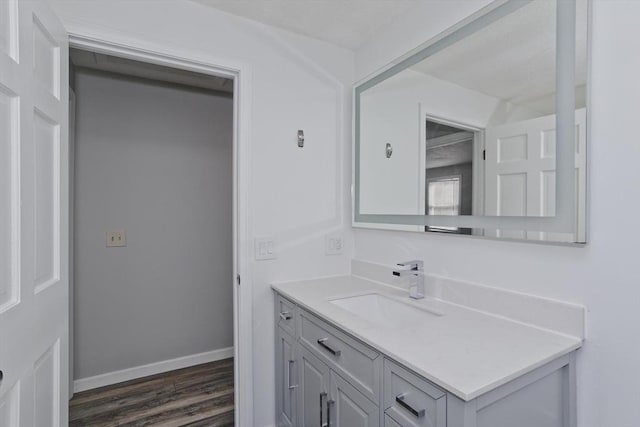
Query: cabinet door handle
x: 291, y: 386
x: 335, y: 352
x: 329, y: 404
x: 285, y: 315
x: 322, y: 396
x: 417, y: 413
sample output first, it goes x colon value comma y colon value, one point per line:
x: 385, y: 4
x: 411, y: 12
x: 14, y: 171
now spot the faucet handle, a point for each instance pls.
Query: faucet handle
x: 413, y: 265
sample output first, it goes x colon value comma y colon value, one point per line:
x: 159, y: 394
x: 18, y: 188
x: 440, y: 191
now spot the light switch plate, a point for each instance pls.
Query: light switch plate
x: 116, y: 238
x: 266, y: 248
x: 333, y: 244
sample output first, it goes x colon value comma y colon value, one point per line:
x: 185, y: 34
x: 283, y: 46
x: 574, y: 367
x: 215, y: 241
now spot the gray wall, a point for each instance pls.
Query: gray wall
x: 155, y: 160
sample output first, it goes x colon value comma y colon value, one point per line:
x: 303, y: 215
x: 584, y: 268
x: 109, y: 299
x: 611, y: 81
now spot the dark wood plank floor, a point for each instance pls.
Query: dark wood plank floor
x: 196, y: 397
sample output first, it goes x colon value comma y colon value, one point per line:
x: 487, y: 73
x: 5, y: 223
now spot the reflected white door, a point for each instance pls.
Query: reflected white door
x: 520, y: 173
x: 33, y: 216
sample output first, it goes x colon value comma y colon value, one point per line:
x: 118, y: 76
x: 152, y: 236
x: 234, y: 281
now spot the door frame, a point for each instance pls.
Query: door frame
x: 478, y: 160
x: 112, y: 44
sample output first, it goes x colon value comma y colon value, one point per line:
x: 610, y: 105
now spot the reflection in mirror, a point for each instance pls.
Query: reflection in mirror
x: 449, y: 171
x: 473, y: 125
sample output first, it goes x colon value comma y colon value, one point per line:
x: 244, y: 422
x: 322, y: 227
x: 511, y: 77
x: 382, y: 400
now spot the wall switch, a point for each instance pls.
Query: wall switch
x: 333, y: 244
x: 266, y: 248
x: 116, y: 238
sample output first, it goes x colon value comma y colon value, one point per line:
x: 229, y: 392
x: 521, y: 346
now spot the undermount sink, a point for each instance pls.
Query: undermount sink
x: 384, y: 311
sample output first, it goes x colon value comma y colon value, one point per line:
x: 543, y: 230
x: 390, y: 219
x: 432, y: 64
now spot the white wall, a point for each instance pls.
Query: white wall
x: 394, y: 111
x: 297, y: 195
x: 604, y: 275
x: 156, y: 160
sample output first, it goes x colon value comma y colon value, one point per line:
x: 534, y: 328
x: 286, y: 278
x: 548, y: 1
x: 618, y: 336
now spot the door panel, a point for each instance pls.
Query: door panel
x: 46, y: 148
x: 349, y: 407
x: 46, y: 58
x: 9, y: 28
x: 390, y: 422
x: 520, y: 171
x: 46, y: 378
x: 286, y: 380
x: 9, y: 406
x: 33, y: 216
x: 9, y: 113
x: 314, y: 384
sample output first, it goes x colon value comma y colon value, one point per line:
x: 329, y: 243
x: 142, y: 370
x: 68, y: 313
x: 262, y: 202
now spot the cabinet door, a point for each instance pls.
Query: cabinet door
x: 314, y: 387
x: 390, y: 422
x: 286, y: 380
x: 350, y: 408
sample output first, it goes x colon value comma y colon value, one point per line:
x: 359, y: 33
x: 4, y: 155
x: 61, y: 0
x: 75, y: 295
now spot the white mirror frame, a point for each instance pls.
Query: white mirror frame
x: 565, y: 219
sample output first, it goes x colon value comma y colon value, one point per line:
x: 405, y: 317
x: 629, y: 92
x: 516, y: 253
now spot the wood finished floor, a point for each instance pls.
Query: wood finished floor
x: 200, y: 396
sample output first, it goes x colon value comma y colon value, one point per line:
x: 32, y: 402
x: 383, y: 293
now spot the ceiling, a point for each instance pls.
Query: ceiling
x: 145, y: 70
x: 513, y: 59
x: 346, y: 23
x: 450, y: 155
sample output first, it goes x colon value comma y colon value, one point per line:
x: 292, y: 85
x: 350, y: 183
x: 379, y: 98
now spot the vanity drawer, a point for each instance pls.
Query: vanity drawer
x: 286, y: 314
x: 348, y: 357
x: 411, y: 400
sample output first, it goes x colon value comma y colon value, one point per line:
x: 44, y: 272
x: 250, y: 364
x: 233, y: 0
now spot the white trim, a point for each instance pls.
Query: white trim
x: 114, y: 43
x: 141, y: 371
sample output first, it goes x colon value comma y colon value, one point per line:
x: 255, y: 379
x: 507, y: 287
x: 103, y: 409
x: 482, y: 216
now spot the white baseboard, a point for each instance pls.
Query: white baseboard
x: 115, y: 377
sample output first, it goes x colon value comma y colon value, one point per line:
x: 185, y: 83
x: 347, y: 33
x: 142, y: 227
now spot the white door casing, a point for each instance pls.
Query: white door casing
x: 478, y: 166
x: 520, y: 171
x: 33, y: 216
x: 112, y: 43
x: 34, y: 291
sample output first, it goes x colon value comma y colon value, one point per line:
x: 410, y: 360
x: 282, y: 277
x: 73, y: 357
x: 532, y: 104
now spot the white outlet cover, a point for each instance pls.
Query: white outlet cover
x: 116, y: 238
x: 333, y: 244
x: 265, y: 248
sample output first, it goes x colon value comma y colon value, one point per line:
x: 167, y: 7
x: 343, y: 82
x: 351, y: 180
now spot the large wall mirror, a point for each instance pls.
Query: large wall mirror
x: 482, y: 130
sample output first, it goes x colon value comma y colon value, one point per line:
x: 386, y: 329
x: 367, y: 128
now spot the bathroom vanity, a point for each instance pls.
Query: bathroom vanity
x: 355, y: 352
x: 480, y: 131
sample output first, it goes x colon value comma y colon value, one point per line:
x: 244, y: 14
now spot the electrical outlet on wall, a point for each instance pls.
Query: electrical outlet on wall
x: 265, y: 248
x: 333, y: 244
x: 116, y: 238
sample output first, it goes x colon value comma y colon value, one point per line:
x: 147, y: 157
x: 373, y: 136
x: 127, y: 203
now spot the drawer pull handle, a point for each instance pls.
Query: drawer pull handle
x: 335, y: 352
x: 322, y: 395
x: 329, y: 404
x: 405, y: 405
x: 285, y: 315
x: 291, y: 386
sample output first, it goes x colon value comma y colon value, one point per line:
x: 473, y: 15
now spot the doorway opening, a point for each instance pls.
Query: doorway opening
x: 450, y: 173
x: 154, y: 240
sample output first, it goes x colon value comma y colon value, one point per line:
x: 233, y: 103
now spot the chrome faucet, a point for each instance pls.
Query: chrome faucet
x: 415, y: 269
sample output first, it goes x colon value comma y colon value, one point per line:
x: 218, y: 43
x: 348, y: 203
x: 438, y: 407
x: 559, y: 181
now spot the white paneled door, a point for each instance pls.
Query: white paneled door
x: 33, y: 216
x: 520, y: 174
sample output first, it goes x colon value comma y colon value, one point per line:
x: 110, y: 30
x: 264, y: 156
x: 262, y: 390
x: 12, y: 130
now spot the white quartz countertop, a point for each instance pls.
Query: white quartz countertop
x: 464, y: 351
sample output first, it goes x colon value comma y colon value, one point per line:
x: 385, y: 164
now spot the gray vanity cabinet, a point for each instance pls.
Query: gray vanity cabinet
x: 326, y: 399
x: 310, y: 388
x: 314, y: 390
x: 327, y: 378
x: 286, y: 371
x: 390, y: 422
x: 412, y: 401
x: 350, y: 408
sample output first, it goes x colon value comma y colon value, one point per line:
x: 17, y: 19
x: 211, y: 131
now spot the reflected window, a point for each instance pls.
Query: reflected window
x: 444, y: 196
